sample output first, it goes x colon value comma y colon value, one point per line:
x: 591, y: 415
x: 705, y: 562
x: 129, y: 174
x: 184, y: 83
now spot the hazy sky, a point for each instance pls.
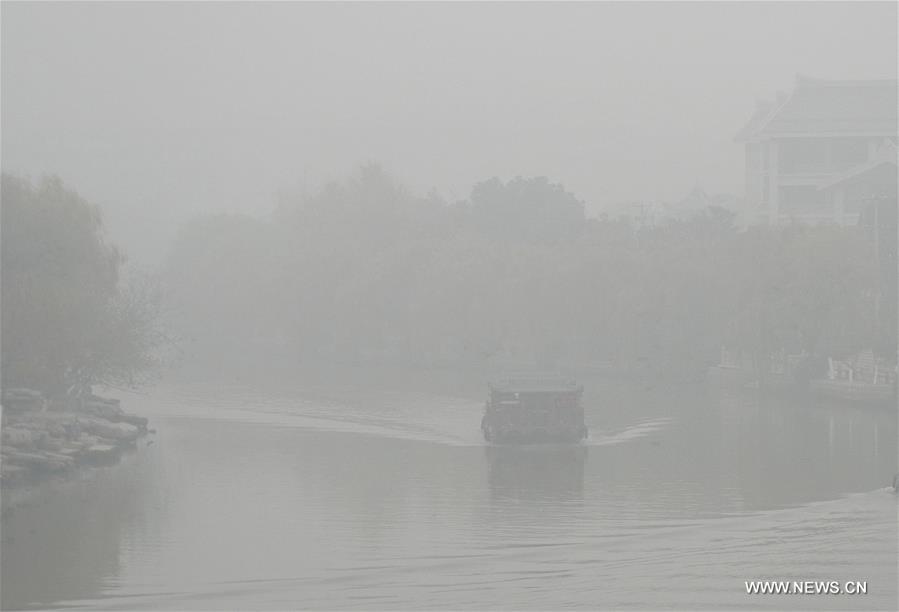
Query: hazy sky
x: 158, y: 111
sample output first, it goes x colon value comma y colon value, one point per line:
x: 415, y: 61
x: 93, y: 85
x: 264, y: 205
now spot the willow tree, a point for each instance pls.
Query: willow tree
x: 67, y: 319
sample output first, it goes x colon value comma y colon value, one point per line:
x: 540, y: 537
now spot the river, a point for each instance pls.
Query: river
x: 373, y: 492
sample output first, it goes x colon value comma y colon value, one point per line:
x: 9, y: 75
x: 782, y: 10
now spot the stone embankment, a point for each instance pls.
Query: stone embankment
x: 42, y: 436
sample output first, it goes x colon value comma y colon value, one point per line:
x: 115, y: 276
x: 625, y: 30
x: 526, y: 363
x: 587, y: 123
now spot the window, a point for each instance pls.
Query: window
x: 802, y: 200
x: 848, y: 152
x: 854, y: 195
x: 803, y: 156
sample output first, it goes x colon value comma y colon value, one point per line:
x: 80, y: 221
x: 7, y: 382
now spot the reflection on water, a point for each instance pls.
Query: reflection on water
x: 64, y: 541
x: 377, y: 497
x: 535, y: 473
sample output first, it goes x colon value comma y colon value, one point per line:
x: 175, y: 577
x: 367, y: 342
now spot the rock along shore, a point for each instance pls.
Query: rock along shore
x: 42, y: 436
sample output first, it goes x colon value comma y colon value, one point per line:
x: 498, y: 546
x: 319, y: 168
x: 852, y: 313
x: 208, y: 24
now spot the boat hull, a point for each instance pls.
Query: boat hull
x: 535, y: 437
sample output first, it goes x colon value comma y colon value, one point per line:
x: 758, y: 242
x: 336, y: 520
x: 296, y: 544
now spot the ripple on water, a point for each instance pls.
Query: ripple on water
x: 218, y: 515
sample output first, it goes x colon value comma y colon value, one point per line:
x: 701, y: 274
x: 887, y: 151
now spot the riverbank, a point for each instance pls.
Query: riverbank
x: 43, y: 437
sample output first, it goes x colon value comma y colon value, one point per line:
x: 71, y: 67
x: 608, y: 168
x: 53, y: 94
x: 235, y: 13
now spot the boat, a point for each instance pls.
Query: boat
x: 534, y: 409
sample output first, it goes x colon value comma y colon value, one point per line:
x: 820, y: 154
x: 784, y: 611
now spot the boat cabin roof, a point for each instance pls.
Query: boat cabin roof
x: 534, y: 384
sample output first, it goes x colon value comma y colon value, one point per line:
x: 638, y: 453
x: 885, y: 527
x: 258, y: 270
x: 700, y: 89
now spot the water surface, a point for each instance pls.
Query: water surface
x: 380, y: 493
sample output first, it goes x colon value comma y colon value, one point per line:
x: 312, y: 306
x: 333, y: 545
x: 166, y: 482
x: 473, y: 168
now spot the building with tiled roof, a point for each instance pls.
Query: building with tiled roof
x: 803, y: 141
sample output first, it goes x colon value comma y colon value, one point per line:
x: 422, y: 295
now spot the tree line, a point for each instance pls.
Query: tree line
x: 365, y: 271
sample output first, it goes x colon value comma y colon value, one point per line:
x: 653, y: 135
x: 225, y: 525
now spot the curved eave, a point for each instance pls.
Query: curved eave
x: 856, y: 172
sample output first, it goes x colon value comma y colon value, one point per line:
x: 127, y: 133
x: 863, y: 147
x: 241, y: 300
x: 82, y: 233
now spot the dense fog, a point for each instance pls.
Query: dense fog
x: 156, y: 113
x: 449, y: 305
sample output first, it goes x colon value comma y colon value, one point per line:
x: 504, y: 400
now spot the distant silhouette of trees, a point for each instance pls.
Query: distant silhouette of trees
x: 804, y: 289
x: 364, y: 270
x: 530, y: 210
x: 67, y: 316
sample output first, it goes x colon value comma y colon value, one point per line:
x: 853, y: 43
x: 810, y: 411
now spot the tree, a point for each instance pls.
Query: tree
x: 65, y: 320
x: 802, y: 289
x: 364, y: 270
x: 531, y: 210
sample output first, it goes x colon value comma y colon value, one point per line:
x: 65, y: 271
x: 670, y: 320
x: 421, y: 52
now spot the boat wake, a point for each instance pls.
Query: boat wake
x: 628, y: 434
x: 435, y: 419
